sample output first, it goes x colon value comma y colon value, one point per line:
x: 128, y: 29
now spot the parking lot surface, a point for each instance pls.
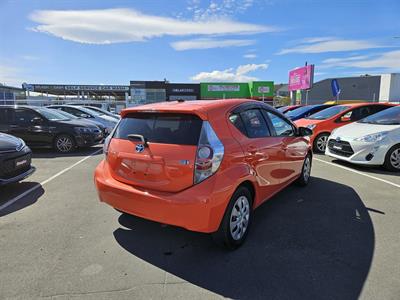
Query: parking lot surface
x: 335, y: 239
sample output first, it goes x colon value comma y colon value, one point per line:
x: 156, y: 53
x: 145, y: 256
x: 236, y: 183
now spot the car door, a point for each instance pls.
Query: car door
x: 261, y: 149
x: 24, y: 126
x: 6, y: 119
x: 294, y: 148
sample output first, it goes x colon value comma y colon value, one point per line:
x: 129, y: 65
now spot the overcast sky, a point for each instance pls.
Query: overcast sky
x: 112, y: 42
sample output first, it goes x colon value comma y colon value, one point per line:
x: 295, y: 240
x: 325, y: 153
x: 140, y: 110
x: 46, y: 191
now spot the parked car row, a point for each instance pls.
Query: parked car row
x: 62, y: 127
x: 360, y: 133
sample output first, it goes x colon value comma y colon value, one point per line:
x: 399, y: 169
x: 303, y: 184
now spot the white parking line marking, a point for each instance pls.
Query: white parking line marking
x: 13, y: 200
x: 358, y: 172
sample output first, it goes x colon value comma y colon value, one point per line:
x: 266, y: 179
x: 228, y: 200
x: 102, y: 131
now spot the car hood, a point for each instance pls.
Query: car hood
x: 9, y: 142
x: 355, y: 130
x: 306, y: 122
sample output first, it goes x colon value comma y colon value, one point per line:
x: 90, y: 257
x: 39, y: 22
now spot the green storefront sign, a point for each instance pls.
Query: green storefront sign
x: 223, y: 90
x: 226, y: 90
x: 261, y: 89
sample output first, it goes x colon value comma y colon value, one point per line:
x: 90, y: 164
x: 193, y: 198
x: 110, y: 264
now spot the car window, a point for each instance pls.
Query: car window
x: 358, y: 113
x: 72, y: 111
x: 390, y: 116
x: 236, y: 120
x: 24, y: 116
x: 165, y: 128
x: 255, y: 124
x: 328, y: 112
x: 281, y: 126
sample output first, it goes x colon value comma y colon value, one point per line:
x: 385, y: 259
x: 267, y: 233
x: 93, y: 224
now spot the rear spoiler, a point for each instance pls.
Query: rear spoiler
x: 198, y: 112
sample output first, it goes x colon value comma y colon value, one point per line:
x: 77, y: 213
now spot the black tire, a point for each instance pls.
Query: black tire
x: 320, y: 142
x: 64, y: 143
x: 305, y: 175
x: 223, y: 236
x: 390, y: 162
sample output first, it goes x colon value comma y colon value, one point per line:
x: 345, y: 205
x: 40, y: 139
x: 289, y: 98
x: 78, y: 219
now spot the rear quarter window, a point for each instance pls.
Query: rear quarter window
x: 163, y: 128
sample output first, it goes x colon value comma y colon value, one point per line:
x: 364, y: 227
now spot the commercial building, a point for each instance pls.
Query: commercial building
x: 183, y: 91
x: 261, y: 90
x: 9, y: 94
x: 377, y: 88
x: 140, y: 92
x: 88, y: 92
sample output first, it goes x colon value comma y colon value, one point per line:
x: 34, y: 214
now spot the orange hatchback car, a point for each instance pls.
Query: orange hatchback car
x: 202, y: 165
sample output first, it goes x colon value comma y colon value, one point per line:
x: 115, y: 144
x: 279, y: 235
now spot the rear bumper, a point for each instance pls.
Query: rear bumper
x: 18, y: 177
x: 198, y: 208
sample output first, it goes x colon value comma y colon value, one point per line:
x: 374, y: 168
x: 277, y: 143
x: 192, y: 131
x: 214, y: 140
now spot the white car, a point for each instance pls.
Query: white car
x: 374, y: 140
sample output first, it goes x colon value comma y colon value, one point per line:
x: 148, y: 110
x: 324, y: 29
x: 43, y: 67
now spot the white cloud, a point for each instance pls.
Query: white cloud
x: 108, y: 26
x: 238, y: 75
x: 387, y: 60
x: 206, y: 43
x: 29, y: 57
x: 250, y: 55
x: 327, y: 44
x: 217, y: 9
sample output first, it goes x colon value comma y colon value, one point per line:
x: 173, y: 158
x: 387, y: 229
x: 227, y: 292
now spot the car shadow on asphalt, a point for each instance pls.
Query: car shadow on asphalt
x: 51, y: 153
x: 9, y: 192
x: 305, y: 243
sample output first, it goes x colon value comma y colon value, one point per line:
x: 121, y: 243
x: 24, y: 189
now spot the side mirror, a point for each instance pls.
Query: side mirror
x: 304, y: 131
x: 37, y: 121
x: 344, y: 119
x: 85, y: 116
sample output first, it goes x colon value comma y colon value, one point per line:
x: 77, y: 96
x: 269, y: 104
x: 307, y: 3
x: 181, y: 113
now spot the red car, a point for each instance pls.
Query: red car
x: 202, y: 165
x: 325, y: 121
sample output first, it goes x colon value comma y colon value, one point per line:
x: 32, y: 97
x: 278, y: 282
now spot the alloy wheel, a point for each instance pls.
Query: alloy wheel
x: 307, y: 169
x: 239, y: 219
x: 64, y: 144
x: 321, y: 143
x: 395, y: 159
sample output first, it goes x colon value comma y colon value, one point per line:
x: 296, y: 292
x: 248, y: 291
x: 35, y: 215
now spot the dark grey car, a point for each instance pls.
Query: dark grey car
x: 15, y: 159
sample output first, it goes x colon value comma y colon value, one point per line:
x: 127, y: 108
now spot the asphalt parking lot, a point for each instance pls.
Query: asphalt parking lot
x: 338, y: 238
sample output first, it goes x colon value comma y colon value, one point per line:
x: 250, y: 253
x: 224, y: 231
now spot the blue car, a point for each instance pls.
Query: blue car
x: 305, y: 111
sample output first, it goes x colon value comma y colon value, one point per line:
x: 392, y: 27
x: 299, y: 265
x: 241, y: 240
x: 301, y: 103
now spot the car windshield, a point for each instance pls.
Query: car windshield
x: 96, y: 110
x: 51, y: 114
x: 299, y: 111
x: 65, y: 114
x: 328, y: 113
x: 88, y: 111
x: 390, y: 116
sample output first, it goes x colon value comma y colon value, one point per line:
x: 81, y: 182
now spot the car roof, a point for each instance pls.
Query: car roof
x: 352, y: 105
x: 199, y: 107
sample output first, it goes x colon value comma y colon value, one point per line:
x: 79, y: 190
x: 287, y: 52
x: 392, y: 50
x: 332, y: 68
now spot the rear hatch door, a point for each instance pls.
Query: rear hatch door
x: 164, y: 160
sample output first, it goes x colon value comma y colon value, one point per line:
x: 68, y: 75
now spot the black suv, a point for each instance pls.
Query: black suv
x: 15, y: 159
x: 43, y: 127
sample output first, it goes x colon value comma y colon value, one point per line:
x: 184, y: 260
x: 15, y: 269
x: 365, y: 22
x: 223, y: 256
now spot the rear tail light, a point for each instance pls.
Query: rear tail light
x: 107, y: 140
x: 210, y: 152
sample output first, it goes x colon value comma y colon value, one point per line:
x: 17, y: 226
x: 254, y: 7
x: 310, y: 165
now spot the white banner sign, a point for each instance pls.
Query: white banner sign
x: 223, y: 88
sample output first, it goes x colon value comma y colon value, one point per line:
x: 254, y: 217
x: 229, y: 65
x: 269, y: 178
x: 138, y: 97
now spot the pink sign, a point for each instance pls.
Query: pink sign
x: 301, y: 78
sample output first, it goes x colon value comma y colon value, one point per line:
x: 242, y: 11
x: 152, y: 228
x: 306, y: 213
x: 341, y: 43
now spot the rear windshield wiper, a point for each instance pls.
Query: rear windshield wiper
x: 138, y: 137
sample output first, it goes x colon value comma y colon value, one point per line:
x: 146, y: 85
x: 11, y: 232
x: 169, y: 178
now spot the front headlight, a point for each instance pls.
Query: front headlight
x: 372, y: 138
x: 311, y: 126
x: 22, y: 145
x: 82, y: 130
